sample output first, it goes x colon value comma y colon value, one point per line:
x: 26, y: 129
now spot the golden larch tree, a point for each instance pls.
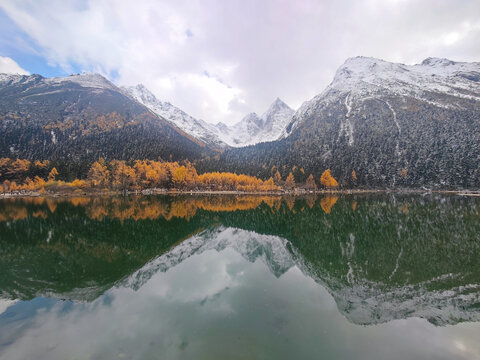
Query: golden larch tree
x: 328, y: 180
x: 290, y: 182
x: 98, y: 175
x: 52, y: 175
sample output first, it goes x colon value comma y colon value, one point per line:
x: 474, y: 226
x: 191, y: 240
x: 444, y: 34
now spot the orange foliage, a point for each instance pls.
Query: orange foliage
x: 98, y: 175
x: 52, y: 175
x: 123, y: 176
x: 290, y: 182
x: 328, y: 180
x: 327, y: 203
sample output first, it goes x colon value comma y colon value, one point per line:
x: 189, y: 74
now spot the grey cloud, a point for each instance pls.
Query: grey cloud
x: 259, y: 49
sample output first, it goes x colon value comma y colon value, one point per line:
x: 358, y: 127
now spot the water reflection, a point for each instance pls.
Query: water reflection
x: 198, y: 277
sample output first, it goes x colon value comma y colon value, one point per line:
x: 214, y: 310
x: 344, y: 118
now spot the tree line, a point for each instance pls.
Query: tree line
x: 24, y: 175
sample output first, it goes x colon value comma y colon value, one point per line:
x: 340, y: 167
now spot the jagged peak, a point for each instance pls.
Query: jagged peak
x: 278, y: 101
x: 141, y: 92
x: 277, y: 108
x: 277, y: 104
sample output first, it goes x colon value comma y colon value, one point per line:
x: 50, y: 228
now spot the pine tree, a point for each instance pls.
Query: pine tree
x: 277, y: 178
x: 310, y: 184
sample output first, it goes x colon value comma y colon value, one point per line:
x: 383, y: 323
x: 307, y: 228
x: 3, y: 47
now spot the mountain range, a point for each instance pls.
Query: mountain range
x: 394, y: 125
x: 252, y: 129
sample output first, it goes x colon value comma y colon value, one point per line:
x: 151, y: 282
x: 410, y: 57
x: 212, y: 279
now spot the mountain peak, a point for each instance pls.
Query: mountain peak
x: 357, y: 68
x: 433, y: 61
x: 140, y: 92
x: 277, y: 104
x: 366, y: 74
x: 86, y: 79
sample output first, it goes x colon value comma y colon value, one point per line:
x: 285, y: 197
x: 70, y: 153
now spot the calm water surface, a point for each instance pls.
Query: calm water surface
x: 240, y: 277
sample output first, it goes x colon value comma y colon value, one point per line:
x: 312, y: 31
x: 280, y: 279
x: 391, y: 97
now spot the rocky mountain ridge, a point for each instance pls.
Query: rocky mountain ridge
x: 394, y: 125
x: 252, y: 129
x: 81, y: 118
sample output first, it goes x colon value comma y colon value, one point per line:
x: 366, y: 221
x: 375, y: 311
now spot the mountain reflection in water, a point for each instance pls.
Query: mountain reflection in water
x: 379, y: 258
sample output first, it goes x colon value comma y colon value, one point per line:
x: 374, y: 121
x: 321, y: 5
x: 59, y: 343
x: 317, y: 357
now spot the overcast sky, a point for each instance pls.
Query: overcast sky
x: 220, y: 59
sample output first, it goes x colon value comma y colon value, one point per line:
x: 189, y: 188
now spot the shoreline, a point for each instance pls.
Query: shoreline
x: 472, y: 193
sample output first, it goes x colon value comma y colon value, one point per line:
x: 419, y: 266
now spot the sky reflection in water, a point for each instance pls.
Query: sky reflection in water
x: 227, y: 292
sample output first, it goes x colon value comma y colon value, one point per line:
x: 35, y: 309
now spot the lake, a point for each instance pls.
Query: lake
x: 240, y: 277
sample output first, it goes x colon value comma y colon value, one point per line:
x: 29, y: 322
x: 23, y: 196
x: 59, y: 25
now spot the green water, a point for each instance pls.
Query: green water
x: 240, y: 277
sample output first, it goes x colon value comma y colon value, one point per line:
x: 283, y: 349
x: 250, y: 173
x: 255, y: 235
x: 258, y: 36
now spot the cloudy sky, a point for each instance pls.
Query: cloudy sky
x: 220, y: 59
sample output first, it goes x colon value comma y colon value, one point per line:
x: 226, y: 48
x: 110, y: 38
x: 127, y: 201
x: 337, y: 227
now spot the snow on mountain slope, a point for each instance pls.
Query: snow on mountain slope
x: 86, y: 80
x: 10, y: 78
x: 197, y: 128
x: 365, y: 77
x: 253, y: 129
x: 89, y: 80
x: 250, y: 130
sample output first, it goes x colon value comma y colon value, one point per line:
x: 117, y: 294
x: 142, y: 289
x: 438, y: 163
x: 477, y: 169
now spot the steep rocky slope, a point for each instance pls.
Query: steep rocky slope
x: 395, y: 125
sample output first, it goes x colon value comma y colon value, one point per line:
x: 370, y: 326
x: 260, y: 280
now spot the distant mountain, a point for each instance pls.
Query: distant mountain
x: 199, y: 129
x: 83, y: 117
x: 253, y: 129
x: 395, y: 125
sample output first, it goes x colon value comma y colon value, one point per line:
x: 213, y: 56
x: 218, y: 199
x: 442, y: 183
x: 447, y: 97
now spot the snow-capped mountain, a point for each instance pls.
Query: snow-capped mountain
x: 396, y: 125
x: 85, y: 80
x: 196, y: 128
x: 83, y: 117
x: 434, y: 81
x: 253, y: 129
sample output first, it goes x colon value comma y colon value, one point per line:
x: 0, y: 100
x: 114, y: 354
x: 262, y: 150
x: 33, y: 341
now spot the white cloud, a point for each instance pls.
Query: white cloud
x: 9, y: 66
x: 220, y: 59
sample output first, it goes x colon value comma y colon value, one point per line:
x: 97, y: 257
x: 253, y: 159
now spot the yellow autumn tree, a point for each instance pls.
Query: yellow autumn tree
x: 98, y: 174
x: 179, y: 176
x: 39, y: 182
x: 269, y: 185
x: 328, y: 180
x: 52, y: 175
x: 290, y: 182
x: 123, y: 176
x: 354, y: 175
